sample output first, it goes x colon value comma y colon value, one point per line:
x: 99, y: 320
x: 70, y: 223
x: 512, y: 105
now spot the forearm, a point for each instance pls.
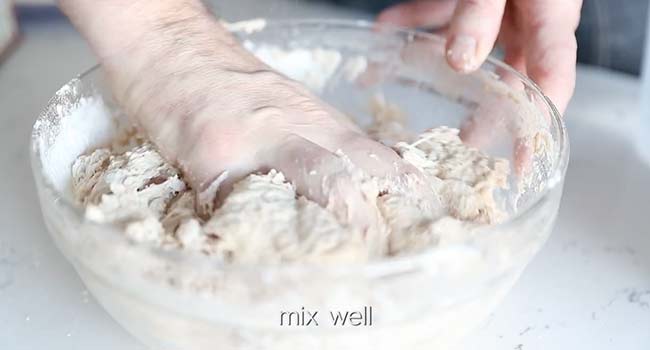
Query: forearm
x: 115, y: 25
x: 158, y: 55
x: 141, y: 40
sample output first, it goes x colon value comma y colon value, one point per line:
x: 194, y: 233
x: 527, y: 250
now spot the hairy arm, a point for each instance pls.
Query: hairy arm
x: 144, y: 28
x: 167, y: 61
x: 216, y: 111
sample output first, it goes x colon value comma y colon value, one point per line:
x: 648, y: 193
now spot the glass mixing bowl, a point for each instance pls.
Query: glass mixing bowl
x: 175, y: 300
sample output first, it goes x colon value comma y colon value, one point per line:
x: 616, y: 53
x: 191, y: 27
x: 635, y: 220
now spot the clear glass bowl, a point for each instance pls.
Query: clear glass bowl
x: 173, y: 300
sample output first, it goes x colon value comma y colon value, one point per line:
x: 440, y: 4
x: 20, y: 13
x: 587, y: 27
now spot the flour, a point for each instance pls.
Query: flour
x: 263, y: 220
x: 179, y: 274
x: 312, y: 67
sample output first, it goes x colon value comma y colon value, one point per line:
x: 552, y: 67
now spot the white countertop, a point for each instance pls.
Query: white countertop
x: 589, y: 288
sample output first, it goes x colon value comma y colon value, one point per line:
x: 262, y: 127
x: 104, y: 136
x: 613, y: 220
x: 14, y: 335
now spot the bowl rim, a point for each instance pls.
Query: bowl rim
x: 389, y: 264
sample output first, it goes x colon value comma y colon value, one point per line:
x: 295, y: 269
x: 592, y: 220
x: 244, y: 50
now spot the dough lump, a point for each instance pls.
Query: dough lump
x: 263, y: 220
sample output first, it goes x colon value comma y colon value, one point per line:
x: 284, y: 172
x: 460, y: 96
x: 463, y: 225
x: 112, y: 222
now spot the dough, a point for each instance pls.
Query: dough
x: 263, y: 220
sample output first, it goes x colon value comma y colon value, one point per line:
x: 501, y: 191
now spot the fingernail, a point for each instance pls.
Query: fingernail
x: 461, y: 53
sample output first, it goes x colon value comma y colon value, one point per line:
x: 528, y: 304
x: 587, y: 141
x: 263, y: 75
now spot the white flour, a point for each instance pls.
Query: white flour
x: 264, y: 221
x: 180, y: 275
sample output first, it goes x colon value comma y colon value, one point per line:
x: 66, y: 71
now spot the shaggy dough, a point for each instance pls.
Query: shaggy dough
x: 264, y: 221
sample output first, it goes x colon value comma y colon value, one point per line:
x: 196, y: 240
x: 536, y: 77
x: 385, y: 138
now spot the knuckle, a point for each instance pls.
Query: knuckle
x: 268, y: 116
x: 265, y: 75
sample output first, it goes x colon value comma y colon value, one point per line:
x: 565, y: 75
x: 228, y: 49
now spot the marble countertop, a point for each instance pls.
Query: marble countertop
x: 589, y: 288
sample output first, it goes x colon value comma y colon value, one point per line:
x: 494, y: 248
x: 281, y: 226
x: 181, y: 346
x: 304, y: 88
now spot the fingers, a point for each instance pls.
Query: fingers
x: 378, y: 160
x: 489, y: 125
x: 371, y: 156
x: 392, y: 173
x: 419, y: 13
x: 554, y: 70
x: 472, y: 32
x: 523, y: 156
x: 479, y: 133
x: 475, y: 132
x: 551, y: 48
x: 515, y: 58
x: 327, y: 179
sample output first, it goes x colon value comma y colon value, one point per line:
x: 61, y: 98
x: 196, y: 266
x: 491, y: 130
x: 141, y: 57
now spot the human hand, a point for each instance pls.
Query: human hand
x: 237, y: 123
x: 537, y: 36
x: 220, y: 114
